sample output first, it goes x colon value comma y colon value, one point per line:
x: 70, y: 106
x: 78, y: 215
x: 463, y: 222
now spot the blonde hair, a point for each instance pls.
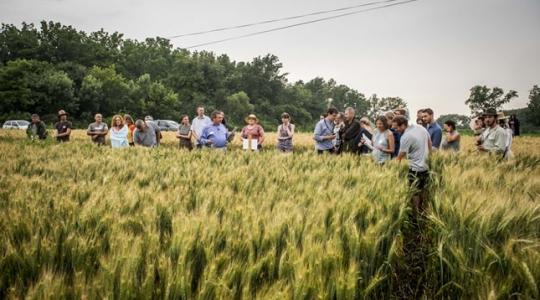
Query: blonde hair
x: 116, y: 117
x: 365, y: 121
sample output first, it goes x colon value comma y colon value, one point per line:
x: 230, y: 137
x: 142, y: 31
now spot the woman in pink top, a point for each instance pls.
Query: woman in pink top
x: 253, y: 130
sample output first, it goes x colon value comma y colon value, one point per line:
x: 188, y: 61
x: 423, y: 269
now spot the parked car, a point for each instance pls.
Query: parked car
x: 16, y: 124
x: 167, y: 125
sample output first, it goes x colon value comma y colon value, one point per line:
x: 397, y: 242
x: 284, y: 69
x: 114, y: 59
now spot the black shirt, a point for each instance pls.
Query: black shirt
x: 62, y: 127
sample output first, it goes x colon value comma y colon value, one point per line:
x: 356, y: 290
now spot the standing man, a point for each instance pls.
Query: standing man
x: 63, y: 127
x: 36, y: 129
x: 415, y: 146
x: 350, y: 131
x: 324, y: 132
x: 199, y: 123
x: 98, y: 130
x: 493, y: 139
x: 514, y: 125
x: 144, y: 135
x: 435, y: 131
x: 216, y: 134
x: 149, y: 120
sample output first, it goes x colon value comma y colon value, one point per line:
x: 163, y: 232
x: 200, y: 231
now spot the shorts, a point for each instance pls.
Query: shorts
x: 418, y: 180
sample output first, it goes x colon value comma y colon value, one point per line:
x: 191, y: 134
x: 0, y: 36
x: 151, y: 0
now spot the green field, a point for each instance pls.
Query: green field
x: 78, y: 221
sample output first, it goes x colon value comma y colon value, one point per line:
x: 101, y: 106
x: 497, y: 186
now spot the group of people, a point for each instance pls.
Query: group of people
x: 393, y: 136
x: 206, y: 132
x: 336, y: 132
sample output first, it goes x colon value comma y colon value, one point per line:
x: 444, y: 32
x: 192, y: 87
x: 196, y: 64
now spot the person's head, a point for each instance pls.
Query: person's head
x: 479, y: 122
x: 141, y: 125
x: 217, y: 117
x: 200, y: 111
x: 251, y: 119
x: 184, y: 120
x: 400, y: 123
x: 503, y: 123
x: 389, y: 118
x: 427, y: 116
x: 285, y: 118
x: 117, y: 121
x: 400, y: 112
x: 98, y: 118
x: 35, y: 118
x: 331, y: 114
x: 365, y: 122
x: 62, y: 115
x: 382, y: 123
x: 419, y: 113
x: 339, y: 118
x: 148, y: 118
x: 128, y: 119
x: 449, y: 126
x: 349, y: 114
x: 490, y: 117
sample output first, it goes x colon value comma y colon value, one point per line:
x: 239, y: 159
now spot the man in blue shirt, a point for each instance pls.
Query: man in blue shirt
x: 215, y: 135
x: 324, y: 132
x: 435, y: 131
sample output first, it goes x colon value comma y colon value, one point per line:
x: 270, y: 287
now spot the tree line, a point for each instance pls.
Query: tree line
x: 50, y: 66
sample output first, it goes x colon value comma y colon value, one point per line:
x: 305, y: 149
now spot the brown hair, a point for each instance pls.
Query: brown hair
x: 400, y: 120
x: 114, y: 118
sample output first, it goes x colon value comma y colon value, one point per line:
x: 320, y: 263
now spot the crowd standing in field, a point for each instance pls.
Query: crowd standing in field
x: 336, y: 133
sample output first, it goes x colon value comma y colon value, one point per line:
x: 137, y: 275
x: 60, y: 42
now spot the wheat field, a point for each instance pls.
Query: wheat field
x: 79, y: 221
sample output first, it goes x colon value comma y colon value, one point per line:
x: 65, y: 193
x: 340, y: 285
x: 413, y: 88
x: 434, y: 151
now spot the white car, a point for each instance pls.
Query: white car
x: 16, y: 124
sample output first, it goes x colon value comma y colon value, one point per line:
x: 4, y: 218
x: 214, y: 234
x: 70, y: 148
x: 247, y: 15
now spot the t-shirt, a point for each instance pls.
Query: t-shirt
x: 199, y: 124
x: 62, y: 127
x: 435, y: 133
x: 415, y: 143
x: 495, y: 139
x: 154, y: 126
x: 146, y: 138
x: 101, y: 128
x: 256, y: 132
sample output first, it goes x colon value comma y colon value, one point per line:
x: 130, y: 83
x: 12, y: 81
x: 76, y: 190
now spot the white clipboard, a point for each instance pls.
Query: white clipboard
x: 246, y: 145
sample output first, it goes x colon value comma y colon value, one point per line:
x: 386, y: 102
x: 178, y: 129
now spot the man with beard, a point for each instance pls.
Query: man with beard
x: 350, y: 131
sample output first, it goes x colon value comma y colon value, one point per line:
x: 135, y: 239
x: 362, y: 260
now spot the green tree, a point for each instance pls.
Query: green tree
x: 534, y: 106
x: 18, y: 43
x: 462, y: 121
x: 378, y: 106
x: 105, y: 91
x: 155, y: 99
x: 482, y: 98
x: 32, y: 86
x: 238, y: 107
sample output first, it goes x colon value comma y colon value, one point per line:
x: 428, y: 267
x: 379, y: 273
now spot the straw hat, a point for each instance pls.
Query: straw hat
x: 62, y: 113
x: 501, y: 116
x: 253, y: 117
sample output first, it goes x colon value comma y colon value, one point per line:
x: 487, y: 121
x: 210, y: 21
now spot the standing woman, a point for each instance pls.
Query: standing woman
x: 184, y: 133
x: 285, y: 134
x: 452, y: 139
x: 253, y: 131
x: 383, y: 141
x: 130, y: 123
x: 119, y: 133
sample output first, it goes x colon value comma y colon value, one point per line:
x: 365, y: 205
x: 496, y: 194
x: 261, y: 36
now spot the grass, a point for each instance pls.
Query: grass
x: 78, y: 221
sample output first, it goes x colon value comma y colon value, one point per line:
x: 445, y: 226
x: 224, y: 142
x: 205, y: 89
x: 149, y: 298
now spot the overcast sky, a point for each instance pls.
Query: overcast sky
x: 429, y: 52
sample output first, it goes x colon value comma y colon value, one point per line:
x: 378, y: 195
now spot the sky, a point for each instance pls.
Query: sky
x: 428, y: 52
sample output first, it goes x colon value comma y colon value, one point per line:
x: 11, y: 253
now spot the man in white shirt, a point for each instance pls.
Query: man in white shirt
x: 415, y: 146
x: 199, y: 123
